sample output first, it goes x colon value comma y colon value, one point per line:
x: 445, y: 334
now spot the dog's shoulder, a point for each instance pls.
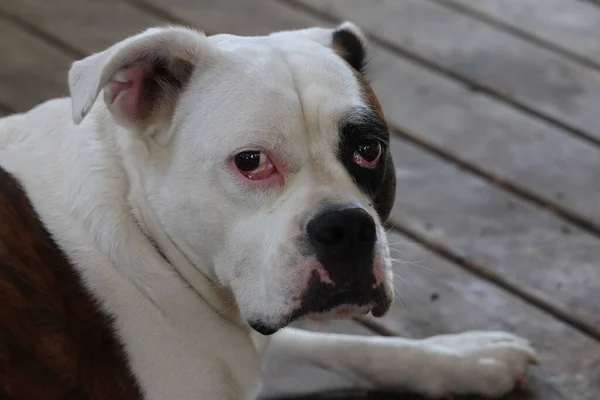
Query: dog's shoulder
x: 55, y: 341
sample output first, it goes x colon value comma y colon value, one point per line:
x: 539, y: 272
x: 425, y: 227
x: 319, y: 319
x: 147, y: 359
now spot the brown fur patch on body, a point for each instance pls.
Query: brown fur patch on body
x: 55, y: 342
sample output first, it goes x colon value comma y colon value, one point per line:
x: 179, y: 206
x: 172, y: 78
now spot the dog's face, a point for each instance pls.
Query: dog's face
x: 267, y: 162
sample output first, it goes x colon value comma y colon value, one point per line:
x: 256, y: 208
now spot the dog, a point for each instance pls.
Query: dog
x: 157, y: 240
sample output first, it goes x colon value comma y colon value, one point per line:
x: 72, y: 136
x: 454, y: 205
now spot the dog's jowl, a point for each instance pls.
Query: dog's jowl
x: 194, y: 196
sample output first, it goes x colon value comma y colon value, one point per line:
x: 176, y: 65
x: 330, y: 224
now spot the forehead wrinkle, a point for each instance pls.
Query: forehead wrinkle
x: 327, y: 90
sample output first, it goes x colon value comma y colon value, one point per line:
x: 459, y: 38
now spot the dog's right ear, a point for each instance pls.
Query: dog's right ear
x: 142, y: 76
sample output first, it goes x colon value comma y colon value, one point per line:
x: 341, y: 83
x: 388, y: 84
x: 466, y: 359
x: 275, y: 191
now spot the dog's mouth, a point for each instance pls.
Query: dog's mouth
x: 324, y: 301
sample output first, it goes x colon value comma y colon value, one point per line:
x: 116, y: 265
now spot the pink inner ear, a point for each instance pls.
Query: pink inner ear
x: 123, y: 93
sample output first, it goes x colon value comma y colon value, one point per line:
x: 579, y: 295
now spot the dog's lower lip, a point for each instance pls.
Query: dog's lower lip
x: 380, y: 309
x: 263, y: 329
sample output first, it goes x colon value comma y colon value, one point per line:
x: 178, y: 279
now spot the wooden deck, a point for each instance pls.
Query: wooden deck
x: 495, y: 111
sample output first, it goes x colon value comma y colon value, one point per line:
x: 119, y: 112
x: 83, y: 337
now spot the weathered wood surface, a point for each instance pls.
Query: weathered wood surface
x: 524, y: 246
x: 570, y: 25
x: 489, y: 136
x: 436, y: 296
x: 532, y: 76
x: 529, y: 249
x: 33, y: 72
x: 85, y: 26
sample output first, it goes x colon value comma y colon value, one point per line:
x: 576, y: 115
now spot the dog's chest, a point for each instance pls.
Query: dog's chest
x: 55, y: 342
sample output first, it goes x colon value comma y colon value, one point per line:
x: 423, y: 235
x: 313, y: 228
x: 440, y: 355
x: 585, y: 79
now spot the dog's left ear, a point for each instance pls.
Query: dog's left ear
x: 346, y: 39
x: 142, y: 76
x: 349, y: 41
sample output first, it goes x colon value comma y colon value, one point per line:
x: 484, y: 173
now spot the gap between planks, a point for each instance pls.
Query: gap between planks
x: 40, y: 34
x: 456, y: 76
x: 594, y: 2
x: 434, y: 246
x: 518, y: 32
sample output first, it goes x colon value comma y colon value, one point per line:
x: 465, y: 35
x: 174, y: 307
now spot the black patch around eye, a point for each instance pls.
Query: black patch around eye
x: 378, y: 183
x: 354, y: 50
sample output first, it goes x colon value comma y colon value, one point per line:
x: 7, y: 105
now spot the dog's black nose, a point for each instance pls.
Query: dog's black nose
x: 343, y: 239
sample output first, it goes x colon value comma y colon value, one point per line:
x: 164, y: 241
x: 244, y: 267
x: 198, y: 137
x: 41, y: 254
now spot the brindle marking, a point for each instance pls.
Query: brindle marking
x: 55, y: 342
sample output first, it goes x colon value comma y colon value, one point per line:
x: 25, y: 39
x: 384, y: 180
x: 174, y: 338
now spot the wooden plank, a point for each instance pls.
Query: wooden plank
x: 528, y: 152
x: 535, y: 78
x: 233, y: 16
x: 528, y: 248
x: 30, y: 71
x: 439, y: 297
x: 493, y: 137
x: 93, y: 25
x: 571, y: 25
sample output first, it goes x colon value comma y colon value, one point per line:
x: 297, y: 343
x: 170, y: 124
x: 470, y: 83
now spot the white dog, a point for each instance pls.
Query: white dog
x: 153, y: 242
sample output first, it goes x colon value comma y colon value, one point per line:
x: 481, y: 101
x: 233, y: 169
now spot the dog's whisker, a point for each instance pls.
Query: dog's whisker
x: 388, y: 230
x: 416, y: 264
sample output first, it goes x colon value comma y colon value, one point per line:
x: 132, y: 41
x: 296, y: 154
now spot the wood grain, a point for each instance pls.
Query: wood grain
x: 525, y: 246
x: 571, y: 25
x: 519, y: 71
x: 33, y: 72
x: 495, y: 138
x: 436, y: 297
x: 93, y: 25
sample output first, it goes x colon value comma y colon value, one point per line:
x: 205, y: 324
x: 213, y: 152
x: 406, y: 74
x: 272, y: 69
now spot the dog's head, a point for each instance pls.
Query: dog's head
x: 264, y: 159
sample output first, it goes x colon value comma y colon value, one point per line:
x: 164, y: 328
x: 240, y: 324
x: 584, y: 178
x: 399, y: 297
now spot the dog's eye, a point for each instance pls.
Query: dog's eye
x: 254, y: 164
x: 367, y: 154
x: 247, y: 161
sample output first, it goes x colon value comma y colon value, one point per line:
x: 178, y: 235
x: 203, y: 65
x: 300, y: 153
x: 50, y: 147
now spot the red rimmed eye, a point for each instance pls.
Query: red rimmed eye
x: 254, y: 164
x: 367, y: 154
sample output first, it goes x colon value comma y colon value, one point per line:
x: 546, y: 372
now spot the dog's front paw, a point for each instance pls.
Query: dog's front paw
x: 482, y: 363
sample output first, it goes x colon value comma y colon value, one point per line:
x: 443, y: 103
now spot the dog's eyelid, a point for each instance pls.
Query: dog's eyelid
x: 362, y: 131
x: 383, y: 139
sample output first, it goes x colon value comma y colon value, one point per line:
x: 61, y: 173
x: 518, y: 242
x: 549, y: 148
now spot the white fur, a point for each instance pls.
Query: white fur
x: 107, y: 188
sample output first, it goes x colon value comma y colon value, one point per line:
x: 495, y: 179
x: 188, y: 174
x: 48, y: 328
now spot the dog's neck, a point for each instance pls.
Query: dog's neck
x: 134, y: 149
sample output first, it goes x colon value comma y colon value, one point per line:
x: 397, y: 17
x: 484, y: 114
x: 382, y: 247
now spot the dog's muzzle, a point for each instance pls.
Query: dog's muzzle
x: 342, y: 238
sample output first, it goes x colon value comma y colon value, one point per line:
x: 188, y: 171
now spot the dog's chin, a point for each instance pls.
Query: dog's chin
x: 335, y: 307
x: 344, y: 311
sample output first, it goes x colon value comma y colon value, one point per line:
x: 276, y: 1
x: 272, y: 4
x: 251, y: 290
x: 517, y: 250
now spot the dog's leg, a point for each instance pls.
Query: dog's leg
x: 484, y: 363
